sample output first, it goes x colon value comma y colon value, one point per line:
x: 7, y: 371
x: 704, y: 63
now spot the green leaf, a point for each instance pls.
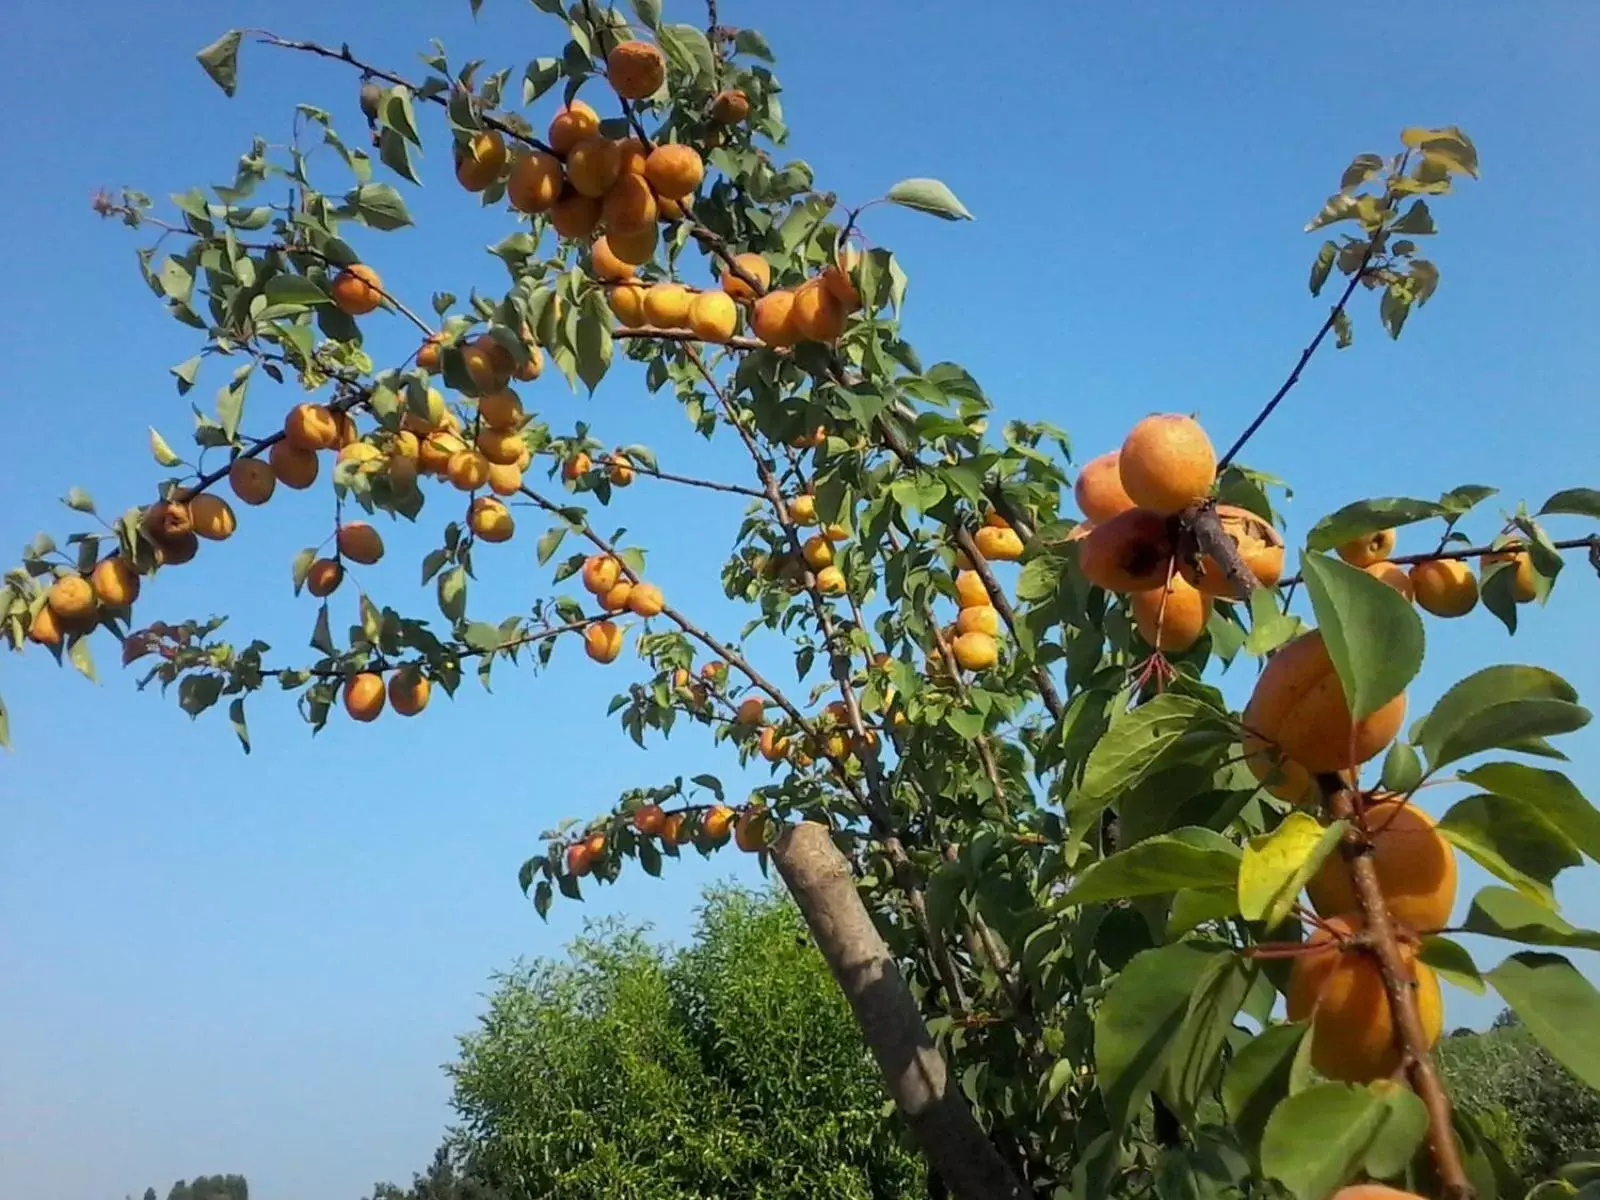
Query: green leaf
x: 230, y: 406
x: 1510, y: 840
x: 481, y: 635
x: 1504, y: 913
x: 321, y: 634
x: 221, y: 61
x: 302, y: 567
x: 1270, y: 627
x: 1372, y: 632
x: 687, y: 49
x: 378, y: 206
x: 236, y: 716
x: 748, y: 41
x: 549, y: 542
x: 542, y: 896
x: 594, y: 340
x: 1550, y: 793
x: 453, y: 593
x: 163, y: 452
x: 1498, y: 707
x: 196, y: 693
x: 539, y: 78
x: 1276, y: 865
x: 1558, y: 1005
x: 1452, y: 961
x: 1168, y: 729
x: 1193, y: 1056
x: 648, y: 12
x: 929, y: 196
x: 1191, y: 857
x: 1317, y: 1139
x: 1465, y: 498
x: 1134, y: 1027
x: 294, y: 289
x: 1369, y: 516
x: 77, y: 500
x: 1580, y: 502
x: 1321, y: 266
x: 185, y: 373
x: 1258, y: 1079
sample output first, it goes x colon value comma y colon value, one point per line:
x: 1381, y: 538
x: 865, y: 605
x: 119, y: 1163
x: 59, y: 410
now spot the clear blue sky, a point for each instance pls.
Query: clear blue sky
x: 220, y: 963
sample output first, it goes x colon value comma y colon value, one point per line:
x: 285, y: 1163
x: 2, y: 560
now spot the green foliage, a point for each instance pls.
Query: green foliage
x: 209, y: 1187
x: 731, y: 1066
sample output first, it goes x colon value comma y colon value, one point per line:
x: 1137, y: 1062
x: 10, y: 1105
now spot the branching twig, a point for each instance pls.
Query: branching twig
x: 1591, y: 542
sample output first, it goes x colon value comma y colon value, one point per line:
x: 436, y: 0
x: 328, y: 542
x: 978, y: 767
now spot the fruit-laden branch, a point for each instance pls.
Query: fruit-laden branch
x: 458, y: 651
x: 1334, y: 315
x: 820, y: 880
x: 606, y: 460
x: 1399, y: 986
x: 1590, y: 543
x: 706, y: 237
x: 687, y: 336
x: 906, y: 875
x: 354, y: 398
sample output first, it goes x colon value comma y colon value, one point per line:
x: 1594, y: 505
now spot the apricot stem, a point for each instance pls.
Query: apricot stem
x: 1384, y: 945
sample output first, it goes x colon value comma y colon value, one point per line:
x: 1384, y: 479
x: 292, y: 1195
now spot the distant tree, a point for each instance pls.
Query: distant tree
x: 451, y: 1176
x: 207, y: 1187
x: 731, y: 1067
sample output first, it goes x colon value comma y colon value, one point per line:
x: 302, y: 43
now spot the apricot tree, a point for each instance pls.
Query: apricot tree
x: 1056, y: 877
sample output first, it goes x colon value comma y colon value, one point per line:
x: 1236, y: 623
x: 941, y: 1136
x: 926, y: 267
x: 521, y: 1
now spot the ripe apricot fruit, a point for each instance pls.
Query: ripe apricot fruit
x: 491, y: 520
x: 666, y: 305
x: 802, y: 509
x: 616, y: 598
x: 72, y: 603
x: 576, y: 467
x: 535, y: 182
x: 363, y: 696
x: 1416, y: 869
x: 636, y: 69
x: 729, y: 107
x: 311, y: 427
x: 998, y: 544
x: 713, y: 316
x: 593, y: 166
x: 600, y: 573
x: 831, y: 581
x: 359, y: 542
x: 602, y: 641
x: 1374, y: 1191
x: 750, y: 830
x: 750, y: 711
x: 979, y: 618
x: 636, y: 246
x: 816, y: 314
x: 1131, y: 552
x: 1098, y: 489
x: 115, y: 582
x: 571, y: 125
x: 501, y: 410
x: 1171, y: 618
x: 356, y: 290
x: 436, y: 450
x: 467, y: 469
x: 620, y: 470
x: 428, y: 353
x: 505, y: 479
x: 531, y: 367
x: 409, y: 690
x: 1341, y: 991
x: 480, y: 159
x: 323, y: 577
x: 772, y: 320
x: 1392, y: 574
x: 1523, y: 589
x: 500, y: 446
x: 293, y: 467
x: 212, y: 517
x: 1260, y: 547
x: 488, y: 363
x: 177, y: 550
x: 718, y: 823
x: 606, y: 265
x: 1298, y: 722
x: 646, y: 600
x: 752, y: 265
x: 627, y: 302
x: 252, y: 480
x: 167, y: 521
x: 629, y: 207
x: 836, y: 277
x: 44, y: 629
x: 774, y: 747
x: 579, y: 860
x: 1368, y: 549
x: 648, y: 819
x: 1445, y: 588
x: 575, y: 215
x: 674, y: 171
x: 976, y: 651
x: 970, y: 591
x: 1167, y: 463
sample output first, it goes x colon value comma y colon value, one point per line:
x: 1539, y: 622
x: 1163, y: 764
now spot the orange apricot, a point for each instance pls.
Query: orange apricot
x: 627, y: 302
x: 1131, y: 552
x: 636, y: 69
x: 750, y: 830
x: 1368, y: 549
x: 607, y: 266
x: 594, y: 165
x: 713, y: 316
x: 252, y: 480
x: 602, y: 641
x: 480, y: 159
x: 323, y: 577
x: 490, y: 520
x: 646, y: 600
x: 773, y: 318
x: 571, y: 125
x: 1523, y: 586
x: 979, y: 618
x: 674, y: 171
x: 630, y: 206
x: 1394, y: 575
x: 755, y: 267
x: 976, y: 651
x: 1171, y: 618
x: 1167, y: 463
x: 359, y: 542
x: 730, y: 107
x: 363, y: 696
x: 1260, y: 547
x: 294, y: 468
x: 998, y: 544
x: 666, y: 305
x: 649, y: 819
x: 115, y: 582
x: 718, y: 823
x: 356, y: 290
x: 409, y: 690
x: 970, y: 590
x: 1098, y: 489
x: 816, y: 314
x: 1416, y: 869
x: 600, y: 573
x: 311, y: 427
x: 1446, y: 587
x: 535, y: 182
x: 575, y: 215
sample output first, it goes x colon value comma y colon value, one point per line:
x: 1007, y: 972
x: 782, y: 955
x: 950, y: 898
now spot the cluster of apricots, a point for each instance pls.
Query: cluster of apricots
x: 74, y: 604
x: 1445, y: 587
x: 751, y: 828
x: 408, y: 691
x: 977, y: 629
x: 619, y: 468
x: 603, y: 579
x: 1128, y: 543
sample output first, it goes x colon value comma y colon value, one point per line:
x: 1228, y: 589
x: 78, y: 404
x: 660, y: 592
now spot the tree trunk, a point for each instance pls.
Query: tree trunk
x: 819, y: 878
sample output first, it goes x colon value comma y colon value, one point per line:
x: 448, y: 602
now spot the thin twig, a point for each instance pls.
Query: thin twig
x: 1591, y: 542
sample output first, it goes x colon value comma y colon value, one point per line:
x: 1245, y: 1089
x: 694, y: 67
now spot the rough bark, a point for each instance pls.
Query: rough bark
x: 819, y: 878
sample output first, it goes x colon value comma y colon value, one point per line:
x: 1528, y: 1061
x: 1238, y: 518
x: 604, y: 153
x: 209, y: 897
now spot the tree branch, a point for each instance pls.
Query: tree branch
x: 1590, y: 543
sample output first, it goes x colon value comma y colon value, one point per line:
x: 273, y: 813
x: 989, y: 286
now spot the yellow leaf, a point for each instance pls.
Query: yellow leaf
x: 162, y: 451
x: 1276, y: 865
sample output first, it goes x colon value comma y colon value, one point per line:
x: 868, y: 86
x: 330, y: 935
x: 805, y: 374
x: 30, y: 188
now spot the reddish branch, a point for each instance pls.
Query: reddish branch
x: 1399, y: 984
